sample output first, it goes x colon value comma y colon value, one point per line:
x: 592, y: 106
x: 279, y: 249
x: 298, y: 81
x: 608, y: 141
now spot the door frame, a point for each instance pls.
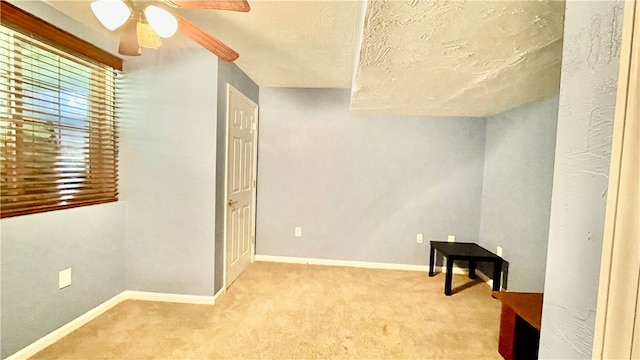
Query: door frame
x: 231, y: 89
x: 616, y: 332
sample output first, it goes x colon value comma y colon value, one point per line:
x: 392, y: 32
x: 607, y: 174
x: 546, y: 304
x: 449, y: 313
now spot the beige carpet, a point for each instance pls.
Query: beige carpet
x: 287, y: 311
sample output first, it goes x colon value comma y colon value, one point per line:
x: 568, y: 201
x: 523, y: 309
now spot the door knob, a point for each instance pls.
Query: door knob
x: 231, y: 202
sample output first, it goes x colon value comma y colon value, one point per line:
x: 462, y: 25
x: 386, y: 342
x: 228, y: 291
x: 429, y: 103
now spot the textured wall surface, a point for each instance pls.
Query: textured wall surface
x: 516, y: 194
x: 167, y: 110
x: 362, y: 187
x: 228, y: 73
x: 34, y: 248
x: 457, y: 58
x: 585, y: 126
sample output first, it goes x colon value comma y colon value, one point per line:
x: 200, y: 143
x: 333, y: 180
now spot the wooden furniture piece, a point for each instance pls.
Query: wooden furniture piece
x: 470, y: 252
x: 519, y: 324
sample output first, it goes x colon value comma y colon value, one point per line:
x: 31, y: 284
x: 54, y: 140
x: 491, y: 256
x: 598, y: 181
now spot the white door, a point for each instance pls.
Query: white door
x: 242, y: 125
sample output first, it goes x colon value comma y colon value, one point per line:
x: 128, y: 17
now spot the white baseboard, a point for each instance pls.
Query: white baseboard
x: 487, y: 280
x: 66, y: 329
x: 218, y: 294
x: 456, y: 270
x: 365, y: 264
x: 480, y: 274
x: 360, y: 264
x: 174, y: 298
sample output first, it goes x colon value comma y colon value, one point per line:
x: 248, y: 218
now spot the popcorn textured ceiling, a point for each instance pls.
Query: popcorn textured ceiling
x: 472, y: 58
x: 458, y: 58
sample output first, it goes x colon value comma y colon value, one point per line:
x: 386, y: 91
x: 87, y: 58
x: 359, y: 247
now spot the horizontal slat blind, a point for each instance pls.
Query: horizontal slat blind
x: 58, y: 139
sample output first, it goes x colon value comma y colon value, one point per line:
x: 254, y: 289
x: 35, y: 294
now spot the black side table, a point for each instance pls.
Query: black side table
x: 471, y: 252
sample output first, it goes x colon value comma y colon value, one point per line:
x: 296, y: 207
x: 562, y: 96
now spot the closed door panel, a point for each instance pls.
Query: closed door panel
x: 240, y: 184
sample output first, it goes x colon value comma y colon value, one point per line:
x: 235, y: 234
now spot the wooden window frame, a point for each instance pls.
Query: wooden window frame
x: 37, y: 29
x: 57, y: 37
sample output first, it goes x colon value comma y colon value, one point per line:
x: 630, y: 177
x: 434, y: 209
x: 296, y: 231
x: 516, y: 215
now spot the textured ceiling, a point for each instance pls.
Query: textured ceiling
x: 471, y: 58
x: 467, y: 58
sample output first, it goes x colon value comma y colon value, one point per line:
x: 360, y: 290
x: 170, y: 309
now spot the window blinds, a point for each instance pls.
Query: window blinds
x: 58, y: 139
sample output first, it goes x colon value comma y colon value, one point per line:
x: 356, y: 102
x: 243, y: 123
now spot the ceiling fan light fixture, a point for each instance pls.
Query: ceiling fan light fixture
x: 162, y: 21
x: 147, y: 37
x: 111, y: 13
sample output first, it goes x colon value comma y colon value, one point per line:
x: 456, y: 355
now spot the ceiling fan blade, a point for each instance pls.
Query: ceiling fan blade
x: 206, y: 41
x: 231, y: 5
x: 129, y: 39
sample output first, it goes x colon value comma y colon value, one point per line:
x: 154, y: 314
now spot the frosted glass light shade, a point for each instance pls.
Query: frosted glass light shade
x: 147, y: 37
x: 111, y: 13
x: 161, y: 20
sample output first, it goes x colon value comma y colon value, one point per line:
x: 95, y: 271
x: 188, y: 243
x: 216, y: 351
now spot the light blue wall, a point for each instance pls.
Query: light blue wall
x: 516, y: 194
x: 167, y: 112
x: 228, y: 73
x: 34, y: 248
x: 361, y: 187
x: 583, y: 149
x: 89, y: 240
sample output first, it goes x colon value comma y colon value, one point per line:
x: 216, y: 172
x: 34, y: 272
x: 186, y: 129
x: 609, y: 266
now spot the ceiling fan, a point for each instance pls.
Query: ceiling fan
x: 144, y: 24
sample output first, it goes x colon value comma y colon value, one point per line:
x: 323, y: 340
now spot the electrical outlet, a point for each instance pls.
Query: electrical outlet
x: 419, y: 239
x: 298, y: 231
x: 451, y: 238
x: 499, y: 251
x: 64, y: 278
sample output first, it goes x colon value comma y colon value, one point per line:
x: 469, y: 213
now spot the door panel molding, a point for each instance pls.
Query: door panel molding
x: 243, y: 149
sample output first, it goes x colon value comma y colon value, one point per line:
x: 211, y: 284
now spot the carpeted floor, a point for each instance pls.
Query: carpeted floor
x: 288, y: 311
